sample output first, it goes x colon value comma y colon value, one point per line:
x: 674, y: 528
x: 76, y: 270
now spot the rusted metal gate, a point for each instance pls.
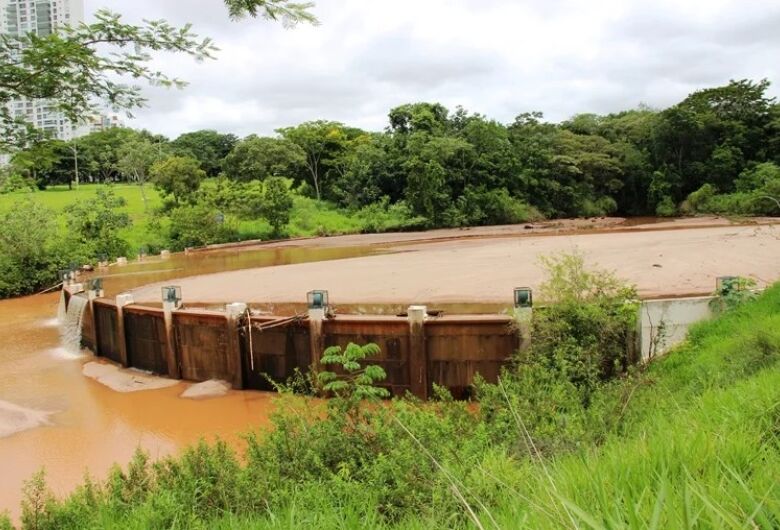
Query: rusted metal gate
x: 145, y: 332
x: 202, y: 344
x: 106, y: 329
x: 274, y: 352
x: 392, y: 337
x: 457, y: 349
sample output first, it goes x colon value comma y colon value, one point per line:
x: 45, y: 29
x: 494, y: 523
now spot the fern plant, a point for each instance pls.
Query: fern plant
x: 353, y: 382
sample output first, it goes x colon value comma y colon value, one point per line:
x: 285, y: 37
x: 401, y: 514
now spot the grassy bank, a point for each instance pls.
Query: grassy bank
x: 693, y: 441
x: 307, y: 218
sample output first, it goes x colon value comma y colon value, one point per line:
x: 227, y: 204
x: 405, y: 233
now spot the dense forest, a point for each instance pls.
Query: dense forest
x: 718, y: 150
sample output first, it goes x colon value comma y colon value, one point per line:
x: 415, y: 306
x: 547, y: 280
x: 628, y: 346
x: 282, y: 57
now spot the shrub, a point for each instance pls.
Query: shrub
x: 199, y: 225
x: 94, y: 225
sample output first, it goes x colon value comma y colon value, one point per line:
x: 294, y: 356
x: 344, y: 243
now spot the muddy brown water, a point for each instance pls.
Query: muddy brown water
x: 90, y: 427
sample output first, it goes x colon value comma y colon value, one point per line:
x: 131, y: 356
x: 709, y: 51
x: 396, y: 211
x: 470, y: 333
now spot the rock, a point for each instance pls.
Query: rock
x: 657, y: 265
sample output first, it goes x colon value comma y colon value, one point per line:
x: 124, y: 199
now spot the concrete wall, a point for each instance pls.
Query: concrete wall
x: 664, y: 323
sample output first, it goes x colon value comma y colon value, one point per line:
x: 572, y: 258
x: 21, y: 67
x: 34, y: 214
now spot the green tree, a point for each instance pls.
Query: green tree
x: 94, y: 225
x: 41, y: 162
x: 135, y: 159
x: 277, y: 203
x: 28, y: 249
x: 207, y: 146
x: 195, y: 225
x: 321, y: 141
x: 257, y: 157
x: 177, y: 176
x: 80, y: 66
x: 290, y: 13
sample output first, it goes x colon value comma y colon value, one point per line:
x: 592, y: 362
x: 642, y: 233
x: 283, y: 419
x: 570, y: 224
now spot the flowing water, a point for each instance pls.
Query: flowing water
x: 70, y: 324
x: 53, y: 417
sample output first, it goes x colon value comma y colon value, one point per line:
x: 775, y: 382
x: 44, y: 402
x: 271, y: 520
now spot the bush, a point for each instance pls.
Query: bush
x: 666, y: 207
x: 480, y: 206
x: 31, y: 253
x: 94, y: 226
x: 197, y: 226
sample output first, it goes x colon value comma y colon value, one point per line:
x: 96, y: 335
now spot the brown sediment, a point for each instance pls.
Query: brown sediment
x: 661, y: 262
x: 122, y: 380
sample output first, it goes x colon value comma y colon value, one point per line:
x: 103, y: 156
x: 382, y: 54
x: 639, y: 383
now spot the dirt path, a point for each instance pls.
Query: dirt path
x: 663, y: 259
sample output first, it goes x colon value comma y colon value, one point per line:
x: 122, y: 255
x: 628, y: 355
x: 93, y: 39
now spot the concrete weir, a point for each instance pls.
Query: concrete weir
x: 417, y: 350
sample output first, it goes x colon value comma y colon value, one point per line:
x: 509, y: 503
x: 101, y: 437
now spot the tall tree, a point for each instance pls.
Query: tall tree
x: 207, y: 146
x: 256, y: 158
x: 177, y: 176
x: 321, y: 141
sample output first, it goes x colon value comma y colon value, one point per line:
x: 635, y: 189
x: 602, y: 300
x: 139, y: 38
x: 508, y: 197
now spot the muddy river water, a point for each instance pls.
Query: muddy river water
x: 53, y: 417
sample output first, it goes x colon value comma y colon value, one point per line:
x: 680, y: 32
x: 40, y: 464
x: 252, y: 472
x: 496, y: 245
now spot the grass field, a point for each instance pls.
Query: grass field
x: 308, y: 217
x: 57, y: 198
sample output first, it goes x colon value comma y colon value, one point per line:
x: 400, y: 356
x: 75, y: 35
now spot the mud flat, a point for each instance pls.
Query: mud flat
x: 207, y: 389
x: 675, y: 258
x: 121, y: 380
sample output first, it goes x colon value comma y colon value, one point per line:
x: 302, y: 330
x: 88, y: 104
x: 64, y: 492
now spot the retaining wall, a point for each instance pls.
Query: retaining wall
x: 447, y: 350
x: 664, y: 323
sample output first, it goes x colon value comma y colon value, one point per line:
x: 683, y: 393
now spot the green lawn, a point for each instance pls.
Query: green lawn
x: 59, y: 197
x: 308, y: 217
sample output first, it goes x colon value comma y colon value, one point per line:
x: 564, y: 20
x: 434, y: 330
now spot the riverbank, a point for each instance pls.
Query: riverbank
x: 483, y: 265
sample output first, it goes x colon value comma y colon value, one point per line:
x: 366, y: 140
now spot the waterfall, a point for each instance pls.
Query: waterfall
x: 61, y: 312
x: 70, y: 325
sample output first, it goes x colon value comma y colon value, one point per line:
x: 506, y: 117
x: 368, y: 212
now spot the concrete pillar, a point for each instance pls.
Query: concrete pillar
x: 316, y: 338
x: 418, y: 355
x: 92, y: 294
x: 122, y: 300
x: 74, y: 288
x: 171, y: 354
x: 233, y: 313
x: 523, y: 317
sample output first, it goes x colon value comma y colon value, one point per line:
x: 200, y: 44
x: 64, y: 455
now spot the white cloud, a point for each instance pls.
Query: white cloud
x: 497, y: 57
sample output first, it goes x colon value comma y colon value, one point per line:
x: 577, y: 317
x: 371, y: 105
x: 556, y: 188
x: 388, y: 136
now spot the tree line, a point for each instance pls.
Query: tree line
x: 718, y: 150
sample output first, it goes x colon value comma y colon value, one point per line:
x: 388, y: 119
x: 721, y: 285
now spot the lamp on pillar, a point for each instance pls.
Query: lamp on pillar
x: 66, y: 275
x: 317, y: 300
x: 171, y: 297
x: 524, y: 297
x: 95, y: 287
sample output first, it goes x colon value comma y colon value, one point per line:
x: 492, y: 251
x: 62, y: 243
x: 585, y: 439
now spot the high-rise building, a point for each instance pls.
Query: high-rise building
x: 42, y: 17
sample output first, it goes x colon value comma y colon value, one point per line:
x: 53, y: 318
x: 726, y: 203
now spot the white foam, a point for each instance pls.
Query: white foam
x: 65, y: 354
x: 14, y: 419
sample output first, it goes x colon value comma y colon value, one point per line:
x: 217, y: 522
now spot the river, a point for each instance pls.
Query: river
x: 76, y: 425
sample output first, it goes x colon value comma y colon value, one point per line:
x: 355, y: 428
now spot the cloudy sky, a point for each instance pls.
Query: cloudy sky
x: 496, y: 57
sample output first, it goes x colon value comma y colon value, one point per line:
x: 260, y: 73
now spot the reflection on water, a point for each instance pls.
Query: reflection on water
x: 156, y: 269
x: 91, y: 427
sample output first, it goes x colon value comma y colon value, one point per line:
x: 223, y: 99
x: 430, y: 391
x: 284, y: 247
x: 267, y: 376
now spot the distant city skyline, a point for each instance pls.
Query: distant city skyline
x: 42, y: 17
